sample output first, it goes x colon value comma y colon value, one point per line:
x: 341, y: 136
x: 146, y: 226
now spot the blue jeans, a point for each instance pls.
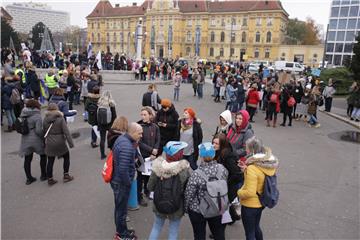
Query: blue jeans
x: 176, y: 93
x: 174, y: 225
x: 191, y: 160
x: 251, y: 222
x: 10, y: 117
x: 200, y: 90
x: 312, y: 120
x: 121, y: 196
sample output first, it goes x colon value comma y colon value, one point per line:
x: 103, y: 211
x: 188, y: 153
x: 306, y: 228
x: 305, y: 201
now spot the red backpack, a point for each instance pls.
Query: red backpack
x: 107, y: 171
x: 291, y: 102
x: 273, y: 98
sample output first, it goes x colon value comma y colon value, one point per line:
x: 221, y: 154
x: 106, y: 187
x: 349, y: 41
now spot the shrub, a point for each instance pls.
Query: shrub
x: 342, y: 77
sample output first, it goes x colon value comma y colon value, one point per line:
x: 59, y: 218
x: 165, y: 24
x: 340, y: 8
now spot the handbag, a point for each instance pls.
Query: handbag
x: 235, y: 211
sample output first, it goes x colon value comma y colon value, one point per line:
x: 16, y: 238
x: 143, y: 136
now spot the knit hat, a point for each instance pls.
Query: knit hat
x: 190, y: 111
x: 165, y: 102
x: 174, y: 150
x: 206, y: 150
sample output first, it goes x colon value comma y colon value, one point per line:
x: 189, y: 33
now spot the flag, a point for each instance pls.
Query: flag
x: 98, y: 58
x: 89, y: 50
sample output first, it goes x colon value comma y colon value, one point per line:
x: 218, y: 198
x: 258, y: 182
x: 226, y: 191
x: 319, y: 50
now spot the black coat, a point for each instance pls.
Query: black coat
x: 197, y: 136
x: 112, y: 136
x: 298, y: 92
x: 32, y: 81
x: 150, y: 139
x: 146, y: 101
x: 171, y: 118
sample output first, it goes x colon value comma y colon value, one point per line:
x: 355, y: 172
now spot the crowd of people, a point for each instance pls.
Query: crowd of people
x: 185, y: 166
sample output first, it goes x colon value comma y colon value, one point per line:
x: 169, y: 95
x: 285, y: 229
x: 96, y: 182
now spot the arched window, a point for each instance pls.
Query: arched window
x: 212, y: 37
x: 243, y: 37
x: 257, y: 37
x: 256, y: 53
x: 221, y: 52
x: 98, y: 37
x: 267, y: 53
x: 188, y: 50
x: 222, y: 37
x: 188, y: 36
x: 268, y: 37
x: 211, y: 52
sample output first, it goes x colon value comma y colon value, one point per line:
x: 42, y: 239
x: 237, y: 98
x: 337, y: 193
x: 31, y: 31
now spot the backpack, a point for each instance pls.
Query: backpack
x: 168, y: 194
x: 21, y: 125
x: 291, y: 102
x: 270, y: 195
x: 15, y: 97
x: 107, y: 171
x: 215, y: 202
x: 92, y: 113
x: 103, y: 115
x: 273, y: 98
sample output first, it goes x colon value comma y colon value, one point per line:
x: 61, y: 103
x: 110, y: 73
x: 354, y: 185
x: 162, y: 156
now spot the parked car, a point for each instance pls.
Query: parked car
x: 289, y: 66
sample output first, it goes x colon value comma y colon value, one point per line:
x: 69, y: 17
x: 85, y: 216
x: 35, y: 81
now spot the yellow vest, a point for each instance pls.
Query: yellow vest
x: 50, y: 81
x: 19, y: 70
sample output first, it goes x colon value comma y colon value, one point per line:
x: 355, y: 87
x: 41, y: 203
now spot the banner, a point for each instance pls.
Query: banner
x: 98, y: 58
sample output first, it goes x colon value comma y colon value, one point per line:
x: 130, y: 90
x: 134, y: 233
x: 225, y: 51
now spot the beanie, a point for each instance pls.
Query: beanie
x: 166, y: 102
x: 174, y: 150
x: 206, y: 150
x: 190, y: 111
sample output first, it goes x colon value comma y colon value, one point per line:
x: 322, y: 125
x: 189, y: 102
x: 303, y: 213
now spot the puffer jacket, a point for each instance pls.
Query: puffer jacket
x: 59, y: 134
x: 162, y: 169
x: 196, y: 186
x: 150, y: 139
x: 258, y: 166
x: 34, y: 141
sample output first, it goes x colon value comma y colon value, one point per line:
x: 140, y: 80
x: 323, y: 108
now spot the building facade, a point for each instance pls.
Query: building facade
x: 344, y: 26
x: 5, y: 15
x: 26, y: 15
x: 214, y: 30
x: 310, y: 55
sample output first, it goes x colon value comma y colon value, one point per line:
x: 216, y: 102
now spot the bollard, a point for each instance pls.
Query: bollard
x: 133, y: 201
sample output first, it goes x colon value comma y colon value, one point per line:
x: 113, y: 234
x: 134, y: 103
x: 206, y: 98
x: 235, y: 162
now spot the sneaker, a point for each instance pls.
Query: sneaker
x: 94, y: 145
x: 51, y: 181
x: 43, y: 178
x: 317, y: 125
x: 30, y: 181
x: 68, y: 178
x: 283, y: 125
x: 143, y: 203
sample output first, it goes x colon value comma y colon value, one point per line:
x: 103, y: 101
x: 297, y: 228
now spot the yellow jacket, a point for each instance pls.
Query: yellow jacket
x: 259, y: 165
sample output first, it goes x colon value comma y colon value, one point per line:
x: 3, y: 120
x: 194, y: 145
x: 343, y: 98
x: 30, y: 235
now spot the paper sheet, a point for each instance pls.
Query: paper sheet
x: 148, y: 167
x: 226, y: 218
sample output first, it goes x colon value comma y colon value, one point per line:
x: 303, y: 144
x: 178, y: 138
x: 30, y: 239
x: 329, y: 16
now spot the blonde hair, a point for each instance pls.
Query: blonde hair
x: 150, y: 111
x: 120, y: 124
x: 106, y: 99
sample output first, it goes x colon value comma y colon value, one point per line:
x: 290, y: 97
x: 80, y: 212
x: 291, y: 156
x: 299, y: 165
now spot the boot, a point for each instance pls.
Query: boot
x: 274, y: 122
x: 51, y: 181
x: 30, y: 180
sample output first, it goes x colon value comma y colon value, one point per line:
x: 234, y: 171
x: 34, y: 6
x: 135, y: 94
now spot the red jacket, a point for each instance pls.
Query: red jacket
x: 253, y: 97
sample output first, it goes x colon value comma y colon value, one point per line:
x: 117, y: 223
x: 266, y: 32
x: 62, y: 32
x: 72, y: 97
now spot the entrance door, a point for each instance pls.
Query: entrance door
x: 161, y: 52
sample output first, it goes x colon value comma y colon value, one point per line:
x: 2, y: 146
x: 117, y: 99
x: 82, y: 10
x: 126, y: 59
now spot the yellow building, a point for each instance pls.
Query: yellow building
x: 213, y: 30
x: 309, y: 55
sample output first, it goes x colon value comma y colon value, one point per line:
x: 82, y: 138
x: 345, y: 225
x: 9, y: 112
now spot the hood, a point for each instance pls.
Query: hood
x: 164, y: 169
x: 227, y: 116
x: 245, y: 120
x: 266, y: 162
x: 51, y: 116
x: 27, y: 112
x: 93, y: 95
x: 142, y: 123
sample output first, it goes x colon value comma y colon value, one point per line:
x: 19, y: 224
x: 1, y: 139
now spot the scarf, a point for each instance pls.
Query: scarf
x: 186, y: 124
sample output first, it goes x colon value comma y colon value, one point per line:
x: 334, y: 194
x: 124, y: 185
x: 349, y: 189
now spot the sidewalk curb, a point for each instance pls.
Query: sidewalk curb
x: 168, y: 82
x: 341, y: 118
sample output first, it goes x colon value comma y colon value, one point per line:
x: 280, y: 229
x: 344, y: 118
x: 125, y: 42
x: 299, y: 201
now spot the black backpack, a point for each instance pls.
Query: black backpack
x: 168, y: 195
x: 21, y: 125
x: 92, y: 113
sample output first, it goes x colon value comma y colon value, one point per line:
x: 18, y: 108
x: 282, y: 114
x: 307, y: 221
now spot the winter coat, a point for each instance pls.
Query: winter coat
x: 124, y: 154
x: 328, y: 91
x: 113, y: 117
x: 231, y: 93
x: 146, y: 101
x: 32, y: 81
x: 150, y: 139
x: 59, y: 134
x: 71, y: 83
x: 197, y: 135
x: 298, y: 93
x: 91, y: 84
x: 240, y: 94
x: 6, y: 91
x: 258, y: 166
x: 238, y: 140
x: 354, y: 97
x: 230, y: 161
x: 285, y: 95
x: 34, y: 141
x: 196, y: 186
x: 162, y: 169
x: 171, y: 118
x: 92, y: 99
x: 112, y: 135
x: 253, y: 98
x: 62, y: 105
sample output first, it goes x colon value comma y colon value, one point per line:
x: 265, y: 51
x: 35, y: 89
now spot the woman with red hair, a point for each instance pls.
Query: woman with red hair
x: 189, y: 131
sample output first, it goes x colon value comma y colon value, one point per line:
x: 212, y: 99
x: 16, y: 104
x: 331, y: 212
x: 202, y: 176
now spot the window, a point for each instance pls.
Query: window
x: 333, y: 24
x: 269, y: 21
x: 267, y: 53
x: 233, y: 21
x: 256, y: 53
x: 337, y: 60
x: 268, y: 37
x: 92, y: 25
x: 212, y: 37
x: 331, y: 36
x: 107, y: 25
x: 339, y: 47
x: 330, y: 47
x: 346, y: 60
x: 351, y: 24
x: 222, y: 37
x: 213, y: 21
x: 98, y: 24
x: 198, y: 21
x: 107, y: 37
x: 283, y: 54
x: 161, y: 22
x: 223, y: 22
x: 350, y: 36
x: 348, y: 47
x: 329, y: 58
x: 188, y: 36
x: 98, y: 36
x: 358, y: 23
x: 244, y: 23
x: 188, y: 50
x: 189, y: 22
x: 336, y: 2
x: 115, y: 40
x: 211, y: 52
x: 221, y: 52
x: 334, y: 12
x: 340, y: 36
x: 344, y: 11
x: 232, y: 52
x: 289, y: 65
x: 345, y: 2
x: 243, y: 37
x: 92, y: 37
x: 258, y: 21
x: 257, y: 37
x: 233, y: 37
x: 355, y: 2
x: 342, y: 24
x: 354, y: 11
x: 315, y: 55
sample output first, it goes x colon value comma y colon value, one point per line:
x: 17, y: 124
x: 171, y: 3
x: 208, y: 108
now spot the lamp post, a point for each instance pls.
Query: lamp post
x: 139, y: 36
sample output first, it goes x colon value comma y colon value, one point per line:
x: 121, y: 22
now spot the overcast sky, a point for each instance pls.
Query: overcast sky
x: 79, y: 9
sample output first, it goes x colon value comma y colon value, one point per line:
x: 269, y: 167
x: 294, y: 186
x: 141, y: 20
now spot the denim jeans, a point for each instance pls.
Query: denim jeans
x: 251, y: 222
x: 312, y: 120
x: 174, y: 225
x: 198, y: 223
x: 121, y: 196
x: 356, y: 113
x: 200, y: 90
x: 191, y: 160
x: 176, y: 93
x: 10, y: 116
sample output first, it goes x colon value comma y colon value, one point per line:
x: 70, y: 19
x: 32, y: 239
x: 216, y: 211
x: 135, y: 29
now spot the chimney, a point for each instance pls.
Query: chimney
x: 117, y: 5
x: 134, y: 4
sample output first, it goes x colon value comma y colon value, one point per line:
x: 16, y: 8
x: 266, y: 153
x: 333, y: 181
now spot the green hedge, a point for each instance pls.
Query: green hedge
x: 342, y: 77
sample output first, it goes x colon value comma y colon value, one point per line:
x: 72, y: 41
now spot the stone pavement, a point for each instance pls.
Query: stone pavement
x: 318, y: 181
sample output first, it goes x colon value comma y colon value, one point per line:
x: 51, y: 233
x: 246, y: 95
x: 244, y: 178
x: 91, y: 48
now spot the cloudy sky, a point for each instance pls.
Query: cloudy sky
x: 79, y: 9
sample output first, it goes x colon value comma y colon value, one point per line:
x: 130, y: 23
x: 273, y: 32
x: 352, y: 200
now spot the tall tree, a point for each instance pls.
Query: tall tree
x: 355, y: 61
x: 300, y: 32
x: 311, y: 35
x: 6, y: 32
x: 38, y: 34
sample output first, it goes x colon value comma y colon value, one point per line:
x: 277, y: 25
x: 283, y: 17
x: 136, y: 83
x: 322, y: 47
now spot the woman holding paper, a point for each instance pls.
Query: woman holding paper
x: 149, y: 146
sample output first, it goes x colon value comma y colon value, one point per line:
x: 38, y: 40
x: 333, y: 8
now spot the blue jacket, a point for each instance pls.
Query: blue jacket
x: 62, y: 105
x: 124, y: 154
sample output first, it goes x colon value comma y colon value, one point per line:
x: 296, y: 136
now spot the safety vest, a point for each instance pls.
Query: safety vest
x: 50, y: 81
x: 19, y: 70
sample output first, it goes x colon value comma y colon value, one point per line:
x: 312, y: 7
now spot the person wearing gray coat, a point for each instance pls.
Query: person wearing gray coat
x: 56, y: 135
x: 33, y: 142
